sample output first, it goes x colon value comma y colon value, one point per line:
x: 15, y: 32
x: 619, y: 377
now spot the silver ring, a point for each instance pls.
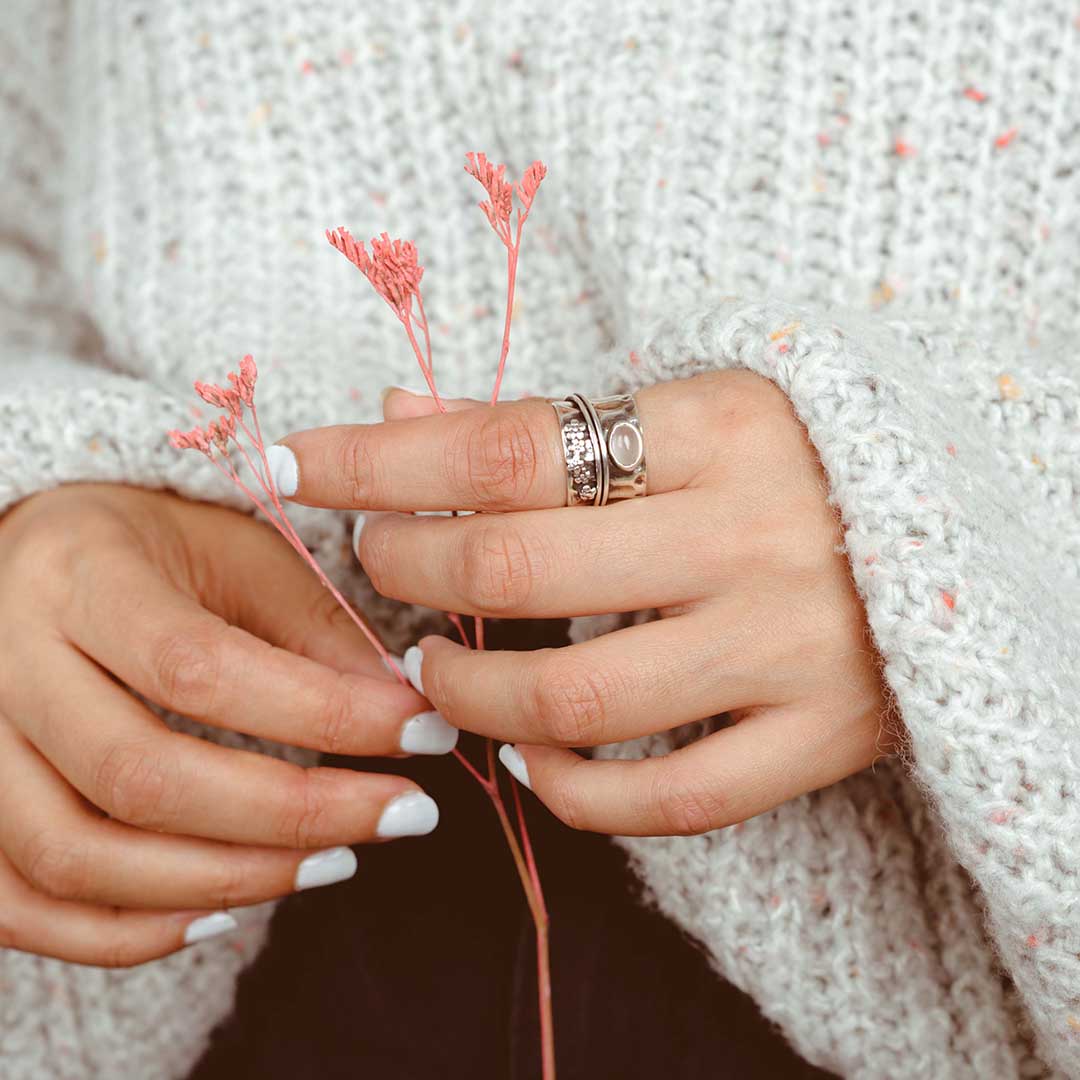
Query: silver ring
x: 604, y: 448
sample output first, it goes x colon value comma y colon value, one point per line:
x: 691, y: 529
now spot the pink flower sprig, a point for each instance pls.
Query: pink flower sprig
x: 394, y: 272
x: 497, y: 210
x: 216, y: 442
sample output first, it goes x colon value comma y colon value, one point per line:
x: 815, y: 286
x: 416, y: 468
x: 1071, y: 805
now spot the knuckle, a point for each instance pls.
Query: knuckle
x: 232, y: 883
x: 499, y: 459
x: 56, y: 867
x: 796, y: 548
x: 357, y: 465
x: 573, y: 704
x: 687, y: 804
x: 378, y: 549
x: 499, y: 571
x: 186, y: 671
x: 304, y: 812
x: 565, y: 799
x: 336, y: 730
x: 138, y: 784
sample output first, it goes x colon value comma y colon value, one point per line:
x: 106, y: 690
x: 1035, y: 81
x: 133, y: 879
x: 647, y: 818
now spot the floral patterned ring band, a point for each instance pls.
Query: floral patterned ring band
x: 604, y: 448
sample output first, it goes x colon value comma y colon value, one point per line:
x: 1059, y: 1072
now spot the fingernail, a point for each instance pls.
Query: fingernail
x: 515, y: 764
x: 358, y: 527
x: 414, y: 814
x: 326, y: 868
x: 411, y: 663
x: 428, y: 733
x: 221, y: 922
x: 284, y: 471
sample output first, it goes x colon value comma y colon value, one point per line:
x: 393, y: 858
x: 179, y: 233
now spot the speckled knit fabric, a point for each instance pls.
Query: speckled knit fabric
x: 724, y: 178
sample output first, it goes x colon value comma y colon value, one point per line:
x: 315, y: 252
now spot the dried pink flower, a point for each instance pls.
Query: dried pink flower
x: 500, y: 191
x: 244, y: 383
x: 530, y: 182
x: 392, y: 267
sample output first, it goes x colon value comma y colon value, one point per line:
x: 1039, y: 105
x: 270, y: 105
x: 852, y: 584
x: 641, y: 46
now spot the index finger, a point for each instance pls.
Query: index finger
x: 503, y: 457
x: 492, y: 457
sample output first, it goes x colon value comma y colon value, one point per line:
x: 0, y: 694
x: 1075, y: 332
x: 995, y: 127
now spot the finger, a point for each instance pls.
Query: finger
x: 181, y: 656
x: 727, y: 777
x: 631, y: 556
x: 502, y: 457
x: 614, y: 687
x: 85, y: 934
x: 127, y: 763
x: 65, y: 850
x: 401, y: 403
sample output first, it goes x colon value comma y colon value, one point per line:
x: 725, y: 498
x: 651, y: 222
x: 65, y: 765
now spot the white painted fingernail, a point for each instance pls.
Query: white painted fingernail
x: 414, y: 814
x: 326, y: 868
x: 434, y: 513
x: 221, y: 922
x: 428, y: 733
x: 515, y: 764
x: 411, y: 664
x: 284, y: 471
x: 357, y: 529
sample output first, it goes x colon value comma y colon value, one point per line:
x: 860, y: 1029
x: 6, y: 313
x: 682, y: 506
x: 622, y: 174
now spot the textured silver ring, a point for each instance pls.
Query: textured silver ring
x: 604, y: 447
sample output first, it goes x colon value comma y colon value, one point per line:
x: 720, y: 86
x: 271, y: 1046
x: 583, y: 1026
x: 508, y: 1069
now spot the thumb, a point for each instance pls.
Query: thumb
x: 258, y: 582
x: 402, y: 404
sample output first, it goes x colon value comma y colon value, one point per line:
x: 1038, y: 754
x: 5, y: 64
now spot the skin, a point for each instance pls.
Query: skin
x: 736, y: 545
x: 116, y: 833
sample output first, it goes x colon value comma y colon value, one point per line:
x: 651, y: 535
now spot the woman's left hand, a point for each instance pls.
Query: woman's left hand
x: 735, y: 544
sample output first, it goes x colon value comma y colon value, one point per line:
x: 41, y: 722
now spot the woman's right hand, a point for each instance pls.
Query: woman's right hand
x: 120, y: 840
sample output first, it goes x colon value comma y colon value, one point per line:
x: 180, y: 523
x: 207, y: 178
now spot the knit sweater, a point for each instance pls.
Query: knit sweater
x: 875, y: 206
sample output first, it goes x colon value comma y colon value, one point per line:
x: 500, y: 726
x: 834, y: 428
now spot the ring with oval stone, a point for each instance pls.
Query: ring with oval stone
x: 604, y: 448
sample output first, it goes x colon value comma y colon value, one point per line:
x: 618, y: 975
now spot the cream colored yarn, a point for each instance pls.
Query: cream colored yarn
x: 166, y: 172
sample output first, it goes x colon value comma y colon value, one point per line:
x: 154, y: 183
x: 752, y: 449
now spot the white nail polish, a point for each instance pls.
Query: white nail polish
x: 221, y: 922
x: 411, y: 663
x: 358, y: 527
x: 428, y: 733
x: 433, y: 513
x: 326, y: 868
x: 515, y: 764
x: 414, y: 814
x: 284, y: 471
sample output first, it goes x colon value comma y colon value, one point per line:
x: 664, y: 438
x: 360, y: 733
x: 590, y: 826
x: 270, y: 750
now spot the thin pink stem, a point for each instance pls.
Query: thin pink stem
x: 428, y: 376
x: 511, y: 274
x: 459, y: 626
x: 483, y: 782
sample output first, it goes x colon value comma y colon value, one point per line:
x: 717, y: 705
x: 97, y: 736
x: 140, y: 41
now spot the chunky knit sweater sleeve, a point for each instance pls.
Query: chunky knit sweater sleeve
x: 922, y: 918
x: 65, y: 413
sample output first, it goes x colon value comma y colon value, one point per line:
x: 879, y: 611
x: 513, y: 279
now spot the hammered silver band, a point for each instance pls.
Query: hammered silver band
x: 604, y: 448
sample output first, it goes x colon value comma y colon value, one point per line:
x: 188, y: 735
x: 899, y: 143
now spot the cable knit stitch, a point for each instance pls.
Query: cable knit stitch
x: 167, y: 173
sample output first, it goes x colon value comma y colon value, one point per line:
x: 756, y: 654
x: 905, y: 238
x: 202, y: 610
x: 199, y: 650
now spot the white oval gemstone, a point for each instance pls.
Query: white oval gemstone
x: 625, y: 445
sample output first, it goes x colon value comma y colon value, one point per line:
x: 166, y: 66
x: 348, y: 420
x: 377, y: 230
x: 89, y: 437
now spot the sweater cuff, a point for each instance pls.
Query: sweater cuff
x: 951, y: 476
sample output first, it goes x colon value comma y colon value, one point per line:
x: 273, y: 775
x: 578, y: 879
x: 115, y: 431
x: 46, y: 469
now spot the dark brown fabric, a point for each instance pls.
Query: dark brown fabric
x: 423, y: 965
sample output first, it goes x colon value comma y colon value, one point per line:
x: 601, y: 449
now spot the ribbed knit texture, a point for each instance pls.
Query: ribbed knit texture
x: 723, y: 176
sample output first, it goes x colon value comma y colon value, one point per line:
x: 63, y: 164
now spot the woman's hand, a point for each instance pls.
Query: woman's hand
x: 735, y: 544
x: 118, y: 836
